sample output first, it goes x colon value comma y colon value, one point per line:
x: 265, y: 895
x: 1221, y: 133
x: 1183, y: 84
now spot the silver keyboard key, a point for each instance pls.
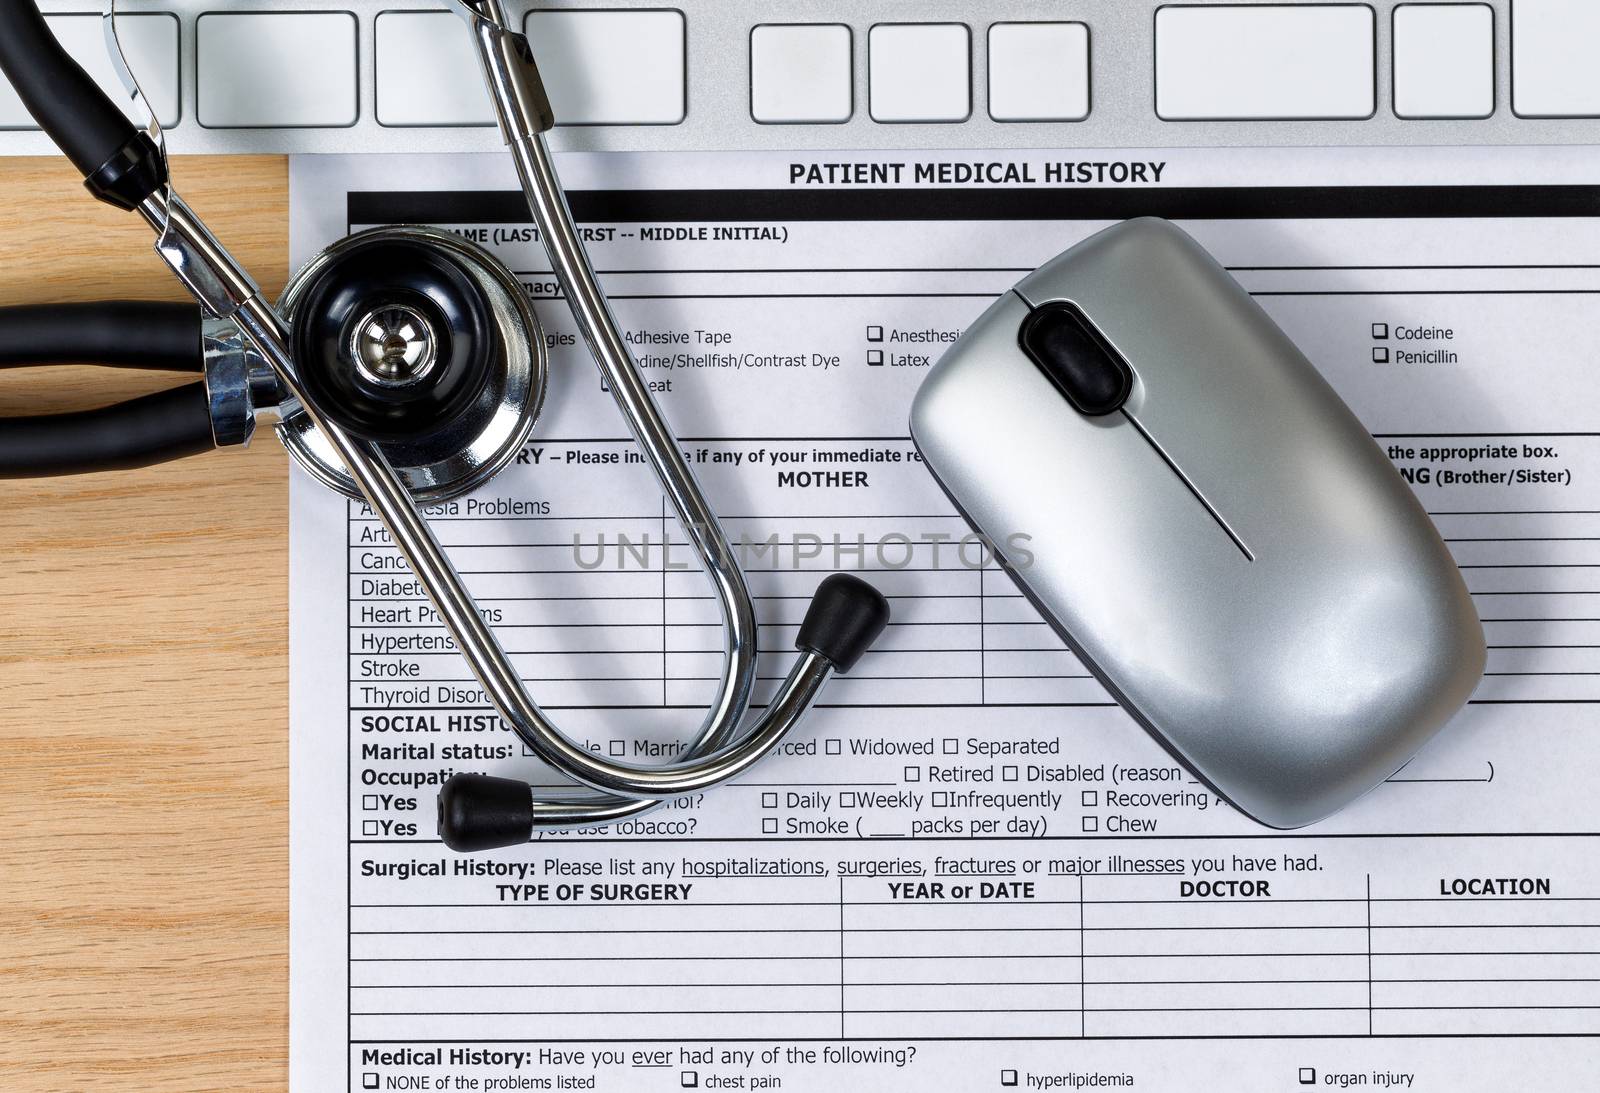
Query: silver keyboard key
x: 920, y: 72
x: 1238, y: 63
x: 1038, y: 71
x: 276, y: 69
x: 428, y: 71
x: 1553, y: 50
x: 1444, y: 60
x: 801, y: 73
x: 611, y: 67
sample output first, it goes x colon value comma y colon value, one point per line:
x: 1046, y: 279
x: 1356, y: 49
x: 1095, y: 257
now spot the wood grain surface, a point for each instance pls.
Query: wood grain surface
x: 143, y: 694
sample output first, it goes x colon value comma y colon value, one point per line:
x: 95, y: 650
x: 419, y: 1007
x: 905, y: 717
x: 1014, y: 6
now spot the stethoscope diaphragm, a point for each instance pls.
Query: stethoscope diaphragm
x: 425, y: 344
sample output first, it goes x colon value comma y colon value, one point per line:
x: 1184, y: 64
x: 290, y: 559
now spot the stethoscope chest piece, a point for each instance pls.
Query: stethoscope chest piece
x: 422, y: 343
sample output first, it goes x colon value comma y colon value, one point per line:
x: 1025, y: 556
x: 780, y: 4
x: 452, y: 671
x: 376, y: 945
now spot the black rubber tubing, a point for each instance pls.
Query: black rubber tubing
x: 151, y: 429
x: 125, y: 334
x: 67, y: 104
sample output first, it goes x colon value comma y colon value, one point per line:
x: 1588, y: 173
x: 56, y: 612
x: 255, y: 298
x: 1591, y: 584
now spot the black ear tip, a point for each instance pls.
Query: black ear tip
x: 845, y: 617
x: 477, y: 812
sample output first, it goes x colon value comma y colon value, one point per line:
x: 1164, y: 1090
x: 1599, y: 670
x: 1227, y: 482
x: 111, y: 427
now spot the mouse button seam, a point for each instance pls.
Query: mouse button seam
x: 1194, y: 490
x: 1016, y: 290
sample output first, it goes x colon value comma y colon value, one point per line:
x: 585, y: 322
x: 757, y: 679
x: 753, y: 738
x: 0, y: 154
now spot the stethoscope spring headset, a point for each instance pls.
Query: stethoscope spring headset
x: 406, y: 364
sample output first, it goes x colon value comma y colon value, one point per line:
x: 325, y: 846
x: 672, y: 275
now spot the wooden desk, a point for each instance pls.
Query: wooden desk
x: 144, y: 908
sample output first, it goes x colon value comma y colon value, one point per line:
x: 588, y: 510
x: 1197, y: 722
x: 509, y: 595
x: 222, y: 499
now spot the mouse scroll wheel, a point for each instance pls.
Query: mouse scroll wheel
x: 1067, y: 348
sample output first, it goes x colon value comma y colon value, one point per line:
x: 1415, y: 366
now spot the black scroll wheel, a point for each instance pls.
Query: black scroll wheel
x: 1067, y: 348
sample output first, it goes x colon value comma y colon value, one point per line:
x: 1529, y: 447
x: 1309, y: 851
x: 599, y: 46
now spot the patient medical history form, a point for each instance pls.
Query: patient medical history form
x: 969, y: 869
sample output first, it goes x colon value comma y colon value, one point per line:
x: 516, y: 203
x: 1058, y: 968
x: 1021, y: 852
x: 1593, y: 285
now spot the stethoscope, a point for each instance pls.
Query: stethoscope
x: 407, y: 367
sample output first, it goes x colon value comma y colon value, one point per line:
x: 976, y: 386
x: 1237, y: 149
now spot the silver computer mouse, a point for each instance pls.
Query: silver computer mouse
x: 1205, y: 523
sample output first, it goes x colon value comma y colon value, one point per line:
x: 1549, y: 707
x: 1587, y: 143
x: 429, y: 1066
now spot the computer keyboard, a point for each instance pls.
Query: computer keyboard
x: 392, y: 75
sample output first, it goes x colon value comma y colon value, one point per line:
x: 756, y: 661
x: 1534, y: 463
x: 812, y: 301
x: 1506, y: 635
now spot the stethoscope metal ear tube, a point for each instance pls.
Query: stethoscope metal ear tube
x: 129, y: 169
x: 522, y: 109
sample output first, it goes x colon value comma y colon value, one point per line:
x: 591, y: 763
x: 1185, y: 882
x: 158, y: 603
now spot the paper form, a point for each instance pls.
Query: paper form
x: 968, y: 870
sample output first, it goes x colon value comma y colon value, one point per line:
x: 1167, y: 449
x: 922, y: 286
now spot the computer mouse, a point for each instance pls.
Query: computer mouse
x: 1204, y: 522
